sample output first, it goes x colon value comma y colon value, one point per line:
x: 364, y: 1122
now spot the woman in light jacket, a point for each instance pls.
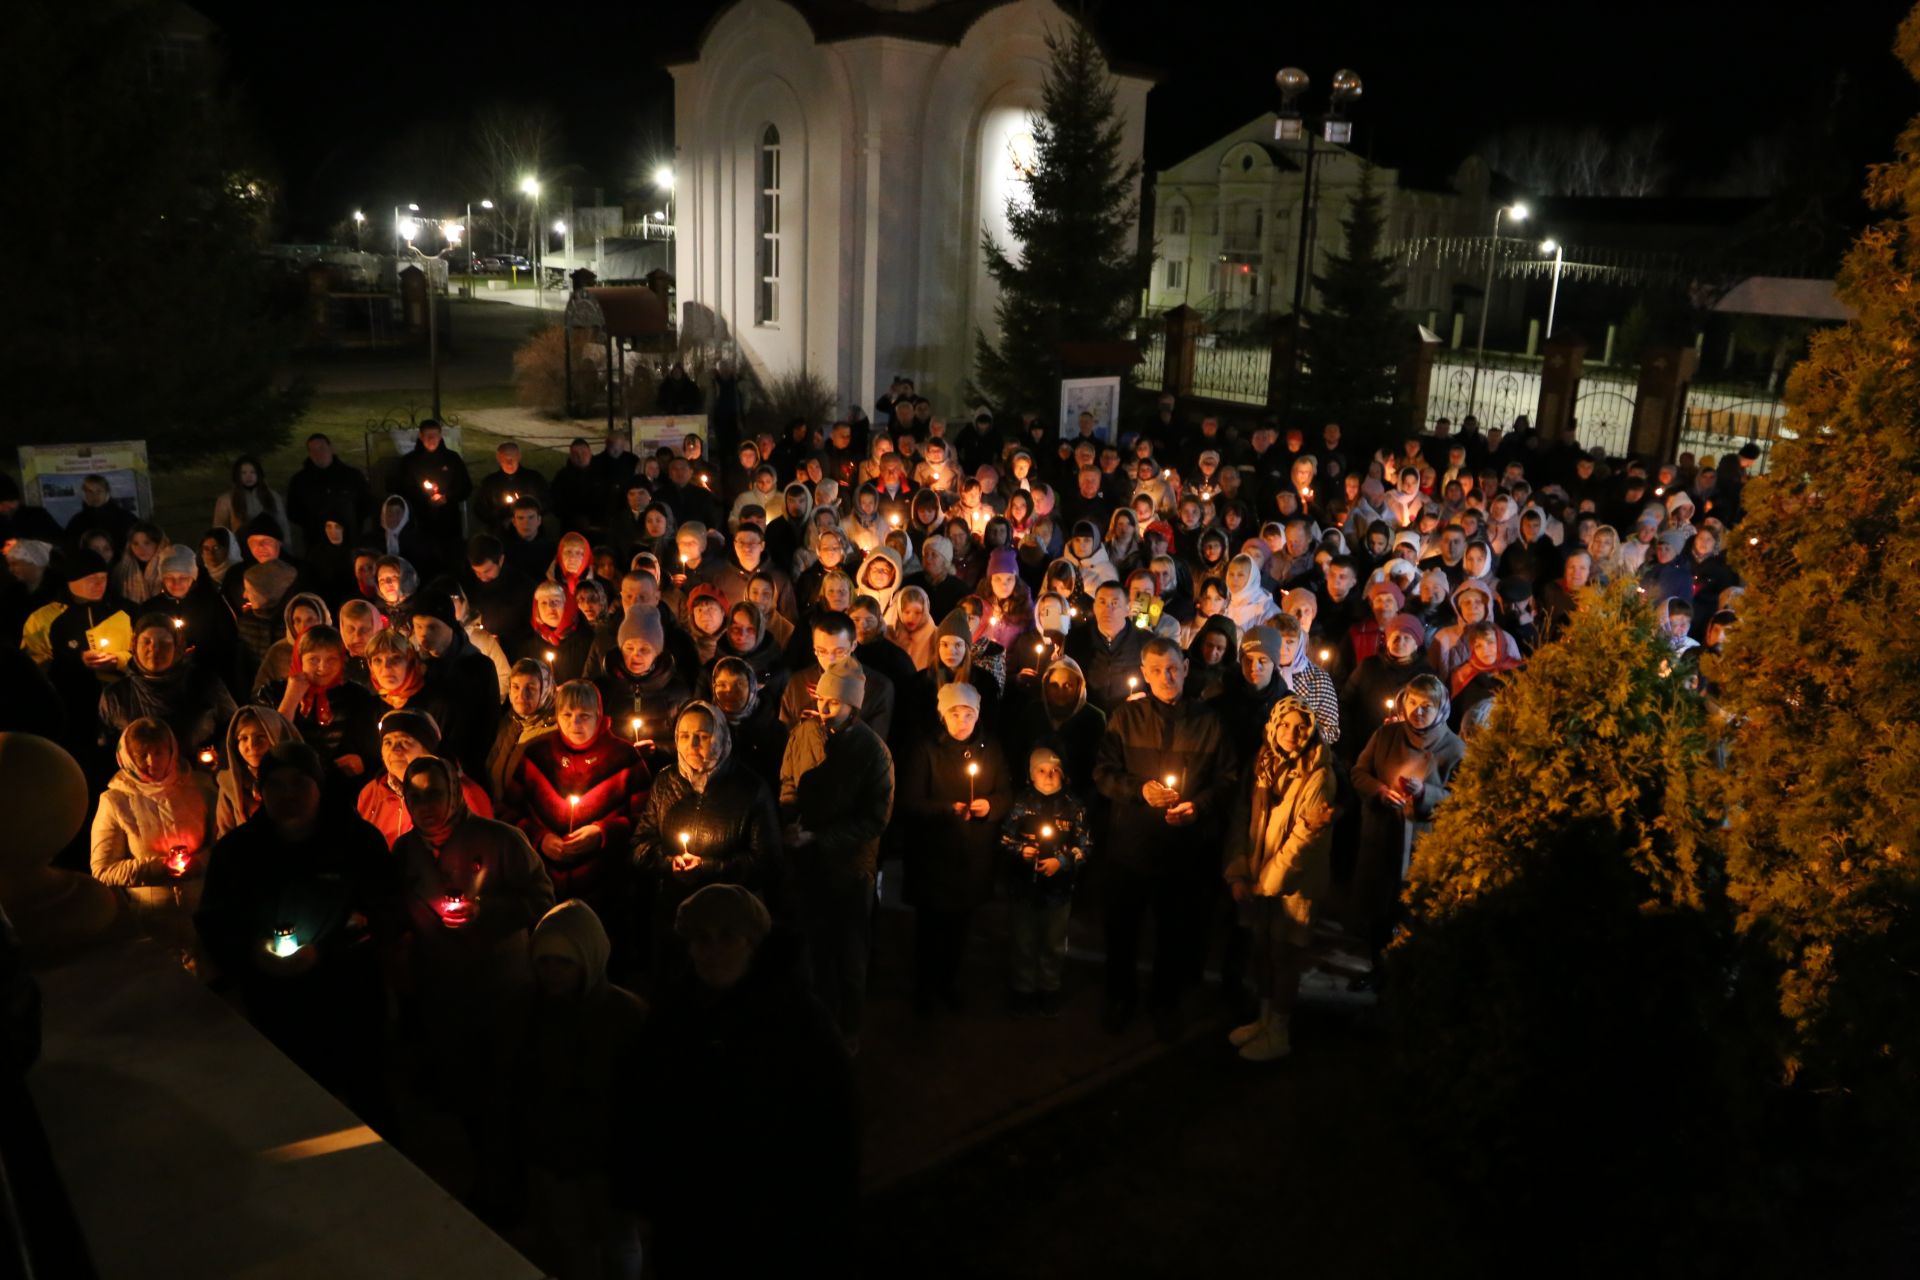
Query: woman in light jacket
x: 1279, y: 866
x: 153, y: 831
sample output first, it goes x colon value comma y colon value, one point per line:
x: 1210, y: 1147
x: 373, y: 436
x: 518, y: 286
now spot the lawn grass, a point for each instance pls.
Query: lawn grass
x: 183, y: 496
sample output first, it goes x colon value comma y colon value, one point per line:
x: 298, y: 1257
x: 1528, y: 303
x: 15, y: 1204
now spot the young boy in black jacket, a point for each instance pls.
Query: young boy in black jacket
x: 1045, y: 838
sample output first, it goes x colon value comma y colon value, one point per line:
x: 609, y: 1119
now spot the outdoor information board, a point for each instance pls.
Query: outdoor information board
x: 51, y: 474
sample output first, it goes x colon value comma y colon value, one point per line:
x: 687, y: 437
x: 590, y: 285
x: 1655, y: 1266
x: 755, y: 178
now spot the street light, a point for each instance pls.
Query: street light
x: 484, y: 204
x: 530, y: 186
x: 663, y: 179
x: 1292, y: 126
x: 1515, y: 212
x: 1555, y: 248
x: 359, y: 221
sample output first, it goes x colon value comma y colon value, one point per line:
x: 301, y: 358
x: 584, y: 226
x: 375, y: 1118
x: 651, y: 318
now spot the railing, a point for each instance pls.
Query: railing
x: 1241, y: 242
x: 1153, y: 359
x: 1232, y: 373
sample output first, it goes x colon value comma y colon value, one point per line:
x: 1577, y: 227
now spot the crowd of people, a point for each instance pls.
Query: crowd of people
x: 587, y: 779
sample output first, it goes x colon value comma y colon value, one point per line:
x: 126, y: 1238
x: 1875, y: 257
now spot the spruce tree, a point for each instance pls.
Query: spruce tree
x: 1821, y: 679
x: 1560, y: 991
x: 1354, y: 342
x: 1074, y: 275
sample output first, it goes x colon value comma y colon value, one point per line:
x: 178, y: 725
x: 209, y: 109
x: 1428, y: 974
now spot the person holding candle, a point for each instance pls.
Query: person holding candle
x: 153, y: 829
x: 1157, y: 847
x: 1044, y: 841
x: 558, y: 629
x: 955, y: 790
x: 250, y: 735
x: 471, y: 889
x: 1279, y: 867
x: 647, y: 679
x: 165, y: 683
x: 1369, y: 699
x: 708, y: 820
x: 576, y: 796
x: 1401, y: 776
x: 324, y: 877
x: 529, y: 714
x: 1109, y: 651
x: 435, y: 482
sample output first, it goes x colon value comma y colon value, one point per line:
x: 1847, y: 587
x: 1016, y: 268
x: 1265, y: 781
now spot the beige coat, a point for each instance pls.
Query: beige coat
x: 1284, y: 848
x: 140, y: 824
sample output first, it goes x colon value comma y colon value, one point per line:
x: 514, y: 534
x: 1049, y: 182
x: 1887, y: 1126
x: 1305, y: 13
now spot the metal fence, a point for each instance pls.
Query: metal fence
x: 1232, y: 373
x: 1153, y: 358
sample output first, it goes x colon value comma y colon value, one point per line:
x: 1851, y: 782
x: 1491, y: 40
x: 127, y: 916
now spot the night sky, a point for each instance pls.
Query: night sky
x: 338, y: 91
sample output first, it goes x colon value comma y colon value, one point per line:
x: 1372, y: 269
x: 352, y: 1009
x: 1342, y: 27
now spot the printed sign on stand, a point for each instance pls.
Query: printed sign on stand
x: 51, y: 475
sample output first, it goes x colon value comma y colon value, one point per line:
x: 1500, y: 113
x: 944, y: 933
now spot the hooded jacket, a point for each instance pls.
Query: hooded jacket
x: 278, y: 662
x: 239, y: 789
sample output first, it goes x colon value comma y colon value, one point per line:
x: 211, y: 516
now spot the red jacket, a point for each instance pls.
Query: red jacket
x: 612, y: 785
x: 380, y: 804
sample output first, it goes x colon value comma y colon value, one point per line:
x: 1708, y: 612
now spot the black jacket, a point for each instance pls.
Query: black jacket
x: 950, y: 859
x: 732, y: 825
x: 1148, y: 739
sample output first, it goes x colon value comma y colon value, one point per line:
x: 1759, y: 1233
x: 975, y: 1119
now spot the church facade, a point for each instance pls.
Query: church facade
x: 836, y: 165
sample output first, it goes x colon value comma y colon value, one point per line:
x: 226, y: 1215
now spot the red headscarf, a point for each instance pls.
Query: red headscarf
x: 568, y: 616
x: 558, y: 573
x: 1463, y: 675
x: 315, y: 706
x: 416, y: 680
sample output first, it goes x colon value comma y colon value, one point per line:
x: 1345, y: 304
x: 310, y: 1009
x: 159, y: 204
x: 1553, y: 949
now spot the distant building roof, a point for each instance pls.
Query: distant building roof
x: 942, y: 22
x: 1792, y: 297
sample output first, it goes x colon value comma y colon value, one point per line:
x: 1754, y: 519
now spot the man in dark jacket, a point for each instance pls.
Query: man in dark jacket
x: 835, y: 637
x: 434, y: 481
x: 1108, y: 651
x: 500, y: 593
x: 99, y: 511
x: 510, y: 481
x: 1167, y: 769
x: 300, y: 903
x: 466, y: 677
x: 323, y: 489
x: 742, y: 1187
x: 836, y: 794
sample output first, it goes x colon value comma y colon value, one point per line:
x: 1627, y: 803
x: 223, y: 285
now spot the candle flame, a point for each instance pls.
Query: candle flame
x: 572, y: 800
x: 178, y: 623
x: 1171, y: 780
x: 550, y: 657
x: 207, y: 756
x: 684, y: 837
x: 1325, y: 654
x: 1389, y: 704
x: 973, y: 771
x: 1046, y: 832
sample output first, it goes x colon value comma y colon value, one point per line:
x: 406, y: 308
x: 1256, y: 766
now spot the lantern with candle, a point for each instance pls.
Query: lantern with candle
x: 456, y: 909
x: 178, y: 860
x: 284, y: 942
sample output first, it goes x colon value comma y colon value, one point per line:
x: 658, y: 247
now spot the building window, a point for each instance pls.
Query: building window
x: 1213, y: 277
x: 1176, y: 269
x: 1177, y: 222
x: 766, y: 309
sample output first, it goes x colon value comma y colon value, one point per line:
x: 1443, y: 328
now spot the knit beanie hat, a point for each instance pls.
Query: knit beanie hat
x: 692, y: 529
x: 155, y: 621
x: 1408, y: 623
x: 179, y: 559
x: 1003, y: 560
x: 724, y: 908
x: 1043, y: 756
x: 263, y: 526
x: 1674, y: 541
x: 643, y: 623
x: 434, y: 602
x: 1514, y: 589
x: 844, y: 681
x: 955, y: 624
x: 1264, y: 641
x: 418, y: 725
x: 32, y: 551
x: 1382, y: 587
x: 84, y: 563
x: 957, y: 692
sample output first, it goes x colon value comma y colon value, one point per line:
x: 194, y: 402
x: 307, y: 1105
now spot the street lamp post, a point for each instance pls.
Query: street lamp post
x: 1553, y: 296
x: 359, y: 223
x: 1293, y: 126
x: 1516, y: 212
x: 472, y: 239
x: 531, y: 186
x: 663, y: 179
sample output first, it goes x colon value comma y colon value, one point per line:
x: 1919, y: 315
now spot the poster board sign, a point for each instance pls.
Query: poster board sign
x: 51, y: 474
x: 667, y: 430
x: 1098, y: 396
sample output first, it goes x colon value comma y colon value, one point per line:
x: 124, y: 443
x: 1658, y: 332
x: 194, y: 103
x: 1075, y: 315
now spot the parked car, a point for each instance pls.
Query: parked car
x: 501, y: 264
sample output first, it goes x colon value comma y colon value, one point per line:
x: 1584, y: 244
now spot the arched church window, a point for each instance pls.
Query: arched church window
x: 766, y: 309
x: 1177, y: 223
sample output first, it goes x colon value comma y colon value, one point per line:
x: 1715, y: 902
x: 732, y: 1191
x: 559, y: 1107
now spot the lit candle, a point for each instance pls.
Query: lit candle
x: 512, y: 498
x: 1073, y: 611
x: 455, y: 910
x: 1172, y: 781
x: 1133, y: 682
x: 684, y: 837
x: 894, y: 519
x: 1040, y: 646
x: 427, y: 485
x: 103, y: 642
x: 178, y: 860
x: 1326, y: 655
x: 1659, y: 489
x: 207, y: 756
x: 1046, y: 838
x: 1753, y: 542
x: 1389, y: 704
x: 550, y: 657
x: 573, y: 809
x: 1166, y: 475
x: 179, y: 623
x: 973, y: 771
x: 284, y: 942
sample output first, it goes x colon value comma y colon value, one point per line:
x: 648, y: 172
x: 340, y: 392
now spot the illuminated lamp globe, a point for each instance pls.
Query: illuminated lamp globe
x: 1292, y: 81
x: 1346, y: 83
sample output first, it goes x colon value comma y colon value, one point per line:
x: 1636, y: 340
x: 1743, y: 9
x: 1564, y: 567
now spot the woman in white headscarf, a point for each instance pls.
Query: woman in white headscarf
x: 1249, y: 604
x: 154, y: 830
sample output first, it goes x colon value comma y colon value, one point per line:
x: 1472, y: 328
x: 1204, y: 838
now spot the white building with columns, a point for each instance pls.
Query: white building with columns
x: 836, y: 164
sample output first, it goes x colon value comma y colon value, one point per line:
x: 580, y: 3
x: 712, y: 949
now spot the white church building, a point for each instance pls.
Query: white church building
x: 836, y: 163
